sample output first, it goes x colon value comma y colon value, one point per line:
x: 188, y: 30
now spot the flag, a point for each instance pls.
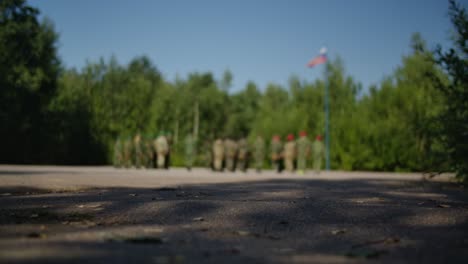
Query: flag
x: 322, y: 58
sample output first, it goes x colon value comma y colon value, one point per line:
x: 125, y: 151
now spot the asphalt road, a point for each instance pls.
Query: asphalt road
x: 51, y: 214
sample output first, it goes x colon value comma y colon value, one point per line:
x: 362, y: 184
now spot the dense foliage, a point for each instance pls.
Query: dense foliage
x: 454, y: 119
x: 67, y: 116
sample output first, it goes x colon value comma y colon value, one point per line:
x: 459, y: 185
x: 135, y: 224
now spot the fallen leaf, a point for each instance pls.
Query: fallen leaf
x: 133, y: 194
x: 34, y: 216
x: 198, y: 219
x: 392, y: 240
x: 242, y: 233
x: 380, y: 241
x: 338, y: 231
x: 443, y: 206
x: 246, y: 233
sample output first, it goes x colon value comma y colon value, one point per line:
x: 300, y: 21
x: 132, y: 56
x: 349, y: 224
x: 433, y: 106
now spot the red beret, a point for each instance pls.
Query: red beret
x: 290, y: 137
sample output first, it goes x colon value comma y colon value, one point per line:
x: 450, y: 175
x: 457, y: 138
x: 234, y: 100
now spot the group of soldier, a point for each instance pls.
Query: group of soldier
x: 291, y: 156
x: 143, y: 152
x: 223, y: 153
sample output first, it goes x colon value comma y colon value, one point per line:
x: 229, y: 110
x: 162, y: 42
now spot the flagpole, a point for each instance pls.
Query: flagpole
x: 327, y: 123
x: 316, y: 61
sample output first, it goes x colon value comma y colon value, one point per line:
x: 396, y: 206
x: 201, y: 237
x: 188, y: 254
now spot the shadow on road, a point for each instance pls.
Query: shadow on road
x: 289, y: 221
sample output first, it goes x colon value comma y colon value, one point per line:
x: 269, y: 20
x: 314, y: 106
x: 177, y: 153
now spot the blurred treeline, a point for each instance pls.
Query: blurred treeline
x: 51, y: 114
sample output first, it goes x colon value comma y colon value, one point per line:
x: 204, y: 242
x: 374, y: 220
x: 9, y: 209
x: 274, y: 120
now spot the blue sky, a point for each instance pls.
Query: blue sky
x: 259, y: 40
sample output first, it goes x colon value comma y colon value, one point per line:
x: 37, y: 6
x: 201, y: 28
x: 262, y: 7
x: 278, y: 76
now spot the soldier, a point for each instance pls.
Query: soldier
x: 259, y: 153
x: 218, y: 154
x: 318, y: 153
x: 276, y: 153
x: 242, y: 154
x: 169, y: 139
x: 207, y: 154
x: 189, y: 151
x: 118, y: 153
x: 303, y: 152
x: 128, y: 152
x: 138, y: 152
x: 148, y: 152
x: 162, y: 148
x: 290, y: 153
x: 230, y: 148
x: 154, y: 148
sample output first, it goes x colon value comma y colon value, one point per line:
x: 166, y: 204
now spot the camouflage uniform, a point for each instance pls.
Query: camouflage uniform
x: 276, y: 153
x: 138, y: 152
x: 128, y: 153
x: 318, y: 152
x: 154, y: 148
x: 162, y: 148
x: 148, y: 152
x: 207, y: 154
x: 167, y: 162
x: 218, y: 154
x: 242, y: 154
x: 303, y: 152
x: 230, y: 148
x: 189, y: 151
x: 259, y: 153
x: 118, y: 153
x: 290, y: 152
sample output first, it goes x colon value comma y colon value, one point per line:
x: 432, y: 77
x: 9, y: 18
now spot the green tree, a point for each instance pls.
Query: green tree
x: 400, y: 116
x: 343, y: 92
x: 454, y: 119
x: 29, y: 68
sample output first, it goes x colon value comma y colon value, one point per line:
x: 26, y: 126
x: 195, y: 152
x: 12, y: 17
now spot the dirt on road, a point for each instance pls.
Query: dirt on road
x: 53, y: 214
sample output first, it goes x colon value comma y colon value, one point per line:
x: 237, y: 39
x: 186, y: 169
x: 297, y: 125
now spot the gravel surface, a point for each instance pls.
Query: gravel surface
x: 58, y: 214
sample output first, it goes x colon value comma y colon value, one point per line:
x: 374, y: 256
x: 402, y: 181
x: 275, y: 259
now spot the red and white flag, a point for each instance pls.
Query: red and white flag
x: 320, y: 59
